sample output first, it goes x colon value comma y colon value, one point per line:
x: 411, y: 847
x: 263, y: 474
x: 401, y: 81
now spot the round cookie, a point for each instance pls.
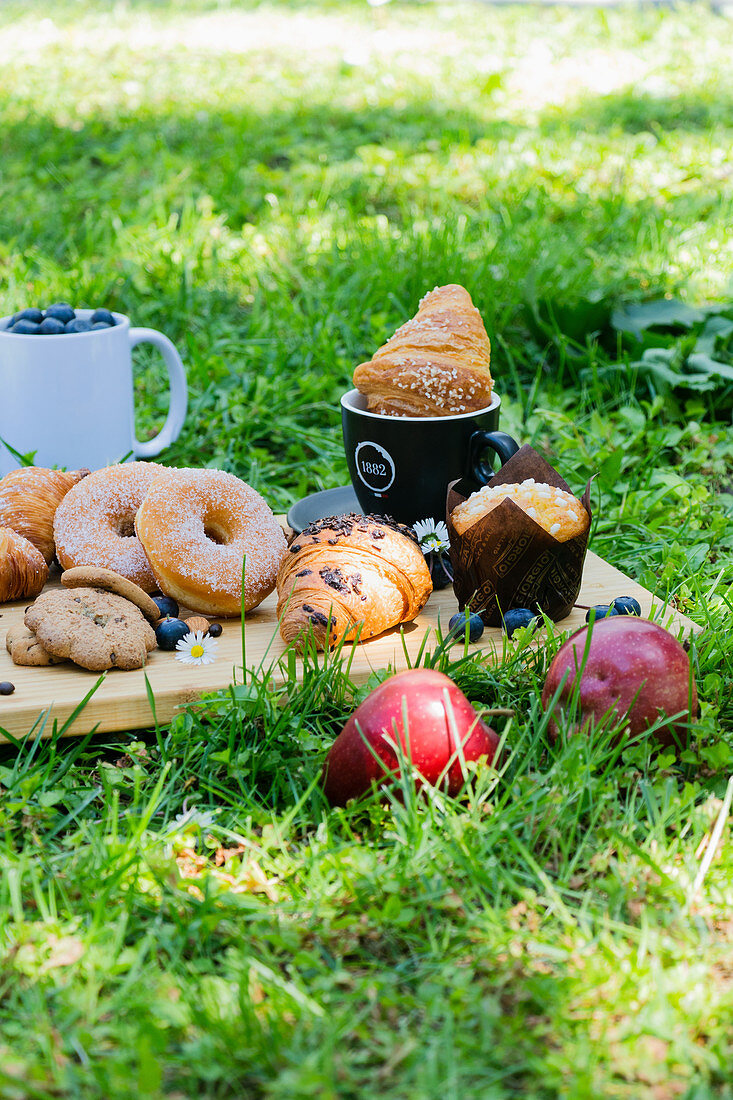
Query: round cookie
x: 25, y: 649
x: 94, y: 629
x: 87, y: 576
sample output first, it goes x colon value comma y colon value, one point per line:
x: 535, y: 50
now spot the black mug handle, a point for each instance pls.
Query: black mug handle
x: 500, y: 442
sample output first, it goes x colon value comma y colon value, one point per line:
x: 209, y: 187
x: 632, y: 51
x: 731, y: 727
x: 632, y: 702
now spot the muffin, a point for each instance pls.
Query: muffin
x: 519, y: 541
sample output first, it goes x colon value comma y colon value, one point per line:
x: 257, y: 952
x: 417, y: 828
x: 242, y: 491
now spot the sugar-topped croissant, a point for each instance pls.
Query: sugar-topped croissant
x: 436, y: 364
x: 23, y: 572
x: 29, y: 497
x: 349, y: 576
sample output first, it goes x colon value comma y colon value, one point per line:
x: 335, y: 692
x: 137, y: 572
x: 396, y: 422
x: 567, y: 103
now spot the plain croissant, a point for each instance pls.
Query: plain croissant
x: 23, y: 572
x: 436, y: 364
x: 350, y: 576
x: 29, y: 497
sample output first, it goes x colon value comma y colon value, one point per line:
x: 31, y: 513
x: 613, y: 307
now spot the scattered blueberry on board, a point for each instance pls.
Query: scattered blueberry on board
x: 600, y: 611
x: 441, y: 573
x: 518, y: 617
x: 6, y: 688
x: 214, y: 630
x: 58, y: 319
x: 169, y: 632
x: 622, y: 605
x: 167, y: 606
x: 457, y: 626
x: 627, y: 605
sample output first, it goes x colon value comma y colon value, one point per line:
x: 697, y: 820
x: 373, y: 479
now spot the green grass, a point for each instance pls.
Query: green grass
x: 275, y: 186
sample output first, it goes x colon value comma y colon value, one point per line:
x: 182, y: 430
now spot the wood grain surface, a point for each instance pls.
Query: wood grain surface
x: 44, y: 697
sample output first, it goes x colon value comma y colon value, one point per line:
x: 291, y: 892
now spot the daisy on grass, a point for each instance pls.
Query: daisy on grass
x: 431, y: 535
x: 196, y: 648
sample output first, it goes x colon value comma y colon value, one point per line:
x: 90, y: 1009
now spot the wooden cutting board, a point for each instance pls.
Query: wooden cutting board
x: 45, y: 697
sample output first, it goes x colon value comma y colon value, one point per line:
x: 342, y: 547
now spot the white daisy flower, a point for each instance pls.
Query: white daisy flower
x: 431, y: 535
x: 196, y: 648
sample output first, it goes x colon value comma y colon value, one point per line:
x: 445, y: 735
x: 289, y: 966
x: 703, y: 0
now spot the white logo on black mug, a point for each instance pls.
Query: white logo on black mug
x: 375, y: 466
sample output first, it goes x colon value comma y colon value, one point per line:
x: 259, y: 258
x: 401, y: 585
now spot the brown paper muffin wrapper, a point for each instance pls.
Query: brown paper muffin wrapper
x: 507, y: 560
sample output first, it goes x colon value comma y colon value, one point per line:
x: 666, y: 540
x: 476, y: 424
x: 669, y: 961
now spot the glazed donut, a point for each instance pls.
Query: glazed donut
x: 95, y: 522
x: 197, y: 527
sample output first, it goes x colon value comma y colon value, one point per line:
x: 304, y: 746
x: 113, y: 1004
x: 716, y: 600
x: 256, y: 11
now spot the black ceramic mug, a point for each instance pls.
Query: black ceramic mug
x: 401, y: 466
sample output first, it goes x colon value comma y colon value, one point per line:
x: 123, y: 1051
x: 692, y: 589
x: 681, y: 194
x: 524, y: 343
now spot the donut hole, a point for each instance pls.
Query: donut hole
x: 216, y: 532
x: 125, y: 527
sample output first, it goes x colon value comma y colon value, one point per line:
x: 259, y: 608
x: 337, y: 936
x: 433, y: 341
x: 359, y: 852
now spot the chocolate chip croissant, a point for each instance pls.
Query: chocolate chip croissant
x: 349, y: 576
x: 436, y: 364
x: 29, y: 498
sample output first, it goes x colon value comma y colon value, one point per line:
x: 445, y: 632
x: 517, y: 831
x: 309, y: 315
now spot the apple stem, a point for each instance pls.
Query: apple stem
x: 497, y: 712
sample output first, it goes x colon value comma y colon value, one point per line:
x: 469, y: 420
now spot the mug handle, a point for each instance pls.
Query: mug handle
x: 500, y: 442
x: 179, y: 392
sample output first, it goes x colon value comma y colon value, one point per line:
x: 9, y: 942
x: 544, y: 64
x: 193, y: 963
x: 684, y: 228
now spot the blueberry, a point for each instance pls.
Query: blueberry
x: 78, y: 325
x: 214, y: 630
x: 35, y: 315
x: 457, y: 626
x: 517, y: 617
x: 441, y: 572
x: 51, y: 326
x: 25, y: 328
x: 102, y: 315
x: 169, y: 632
x: 167, y: 606
x: 100, y: 324
x: 600, y: 611
x: 6, y: 688
x: 627, y: 605
x: 62, y: 311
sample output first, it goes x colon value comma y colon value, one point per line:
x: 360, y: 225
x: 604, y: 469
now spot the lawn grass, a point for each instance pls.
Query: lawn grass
x: 275, y: 186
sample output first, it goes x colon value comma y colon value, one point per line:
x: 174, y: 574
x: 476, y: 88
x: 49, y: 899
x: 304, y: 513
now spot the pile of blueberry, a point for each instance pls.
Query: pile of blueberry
x: 56, y: 320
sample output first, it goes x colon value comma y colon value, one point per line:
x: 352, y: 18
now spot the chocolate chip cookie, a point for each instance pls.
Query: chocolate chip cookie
x: 25, y: 649
x: 94, y: 629
x: 90, y: 576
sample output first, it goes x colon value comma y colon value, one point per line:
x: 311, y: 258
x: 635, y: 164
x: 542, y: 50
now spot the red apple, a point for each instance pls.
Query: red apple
x: 633, y: 665
x: 439, y: 717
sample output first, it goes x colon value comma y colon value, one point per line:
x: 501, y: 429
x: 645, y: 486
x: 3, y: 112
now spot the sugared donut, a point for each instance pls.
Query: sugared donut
x: 95, y: 522
x: 197, y: 529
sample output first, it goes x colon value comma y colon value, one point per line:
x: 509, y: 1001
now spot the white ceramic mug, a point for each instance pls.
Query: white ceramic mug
x: 69, y: 397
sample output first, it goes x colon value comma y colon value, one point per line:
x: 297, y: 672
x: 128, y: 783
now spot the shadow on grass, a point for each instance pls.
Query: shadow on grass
x: 636, y: 112
x: 235, y: 156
